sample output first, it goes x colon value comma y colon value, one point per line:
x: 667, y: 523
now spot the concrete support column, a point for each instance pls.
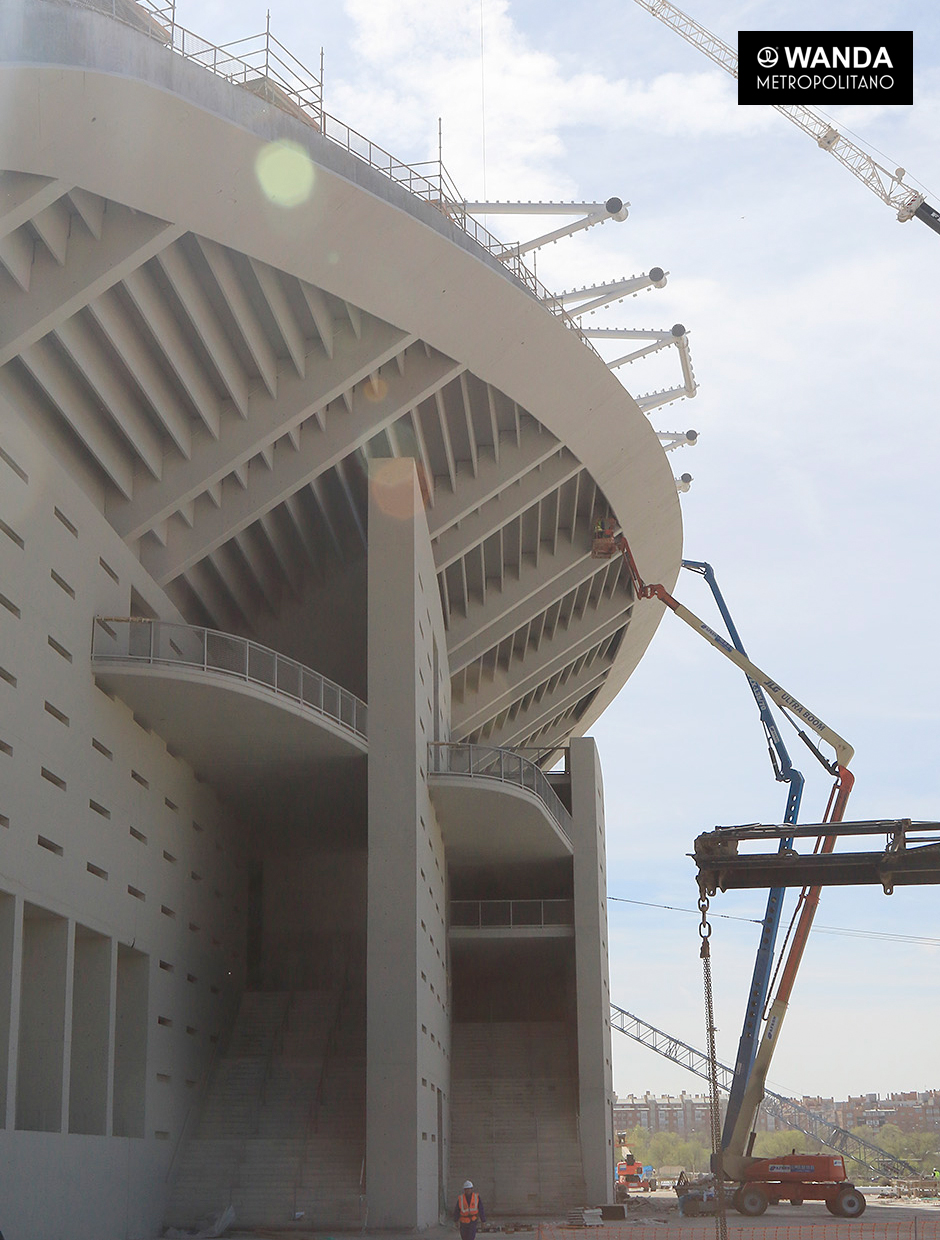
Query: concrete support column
x: 595, y: 1077
x: 407, y: 1032
x: 11, y: 950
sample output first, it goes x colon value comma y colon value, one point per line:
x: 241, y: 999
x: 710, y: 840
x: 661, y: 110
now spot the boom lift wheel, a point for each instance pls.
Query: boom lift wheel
x: 848, y: 1202
x: 750, y: 1200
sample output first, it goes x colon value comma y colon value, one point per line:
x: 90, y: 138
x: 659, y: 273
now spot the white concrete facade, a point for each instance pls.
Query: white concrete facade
x: 296, y: 592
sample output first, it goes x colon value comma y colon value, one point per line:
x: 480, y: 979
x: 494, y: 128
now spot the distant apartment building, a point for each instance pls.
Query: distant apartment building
x: 685, y: 1114
x: 911, y: 1111
x: 688, y: 1114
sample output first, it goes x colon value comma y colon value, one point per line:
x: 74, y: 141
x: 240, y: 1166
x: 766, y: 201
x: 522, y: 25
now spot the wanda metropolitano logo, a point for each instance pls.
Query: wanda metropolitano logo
x: 826, y: 66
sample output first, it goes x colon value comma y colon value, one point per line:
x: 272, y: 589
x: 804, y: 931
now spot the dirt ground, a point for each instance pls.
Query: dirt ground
x: 655, y: 1216
x: 661, y: 1207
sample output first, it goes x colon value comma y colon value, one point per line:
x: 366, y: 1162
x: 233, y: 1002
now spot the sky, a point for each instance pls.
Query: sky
x: 812, y: 316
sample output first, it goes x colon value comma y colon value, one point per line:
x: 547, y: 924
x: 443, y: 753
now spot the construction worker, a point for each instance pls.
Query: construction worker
x: 469, y: 1211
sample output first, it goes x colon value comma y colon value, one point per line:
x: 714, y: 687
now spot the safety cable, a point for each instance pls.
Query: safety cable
x: 714, y: 1106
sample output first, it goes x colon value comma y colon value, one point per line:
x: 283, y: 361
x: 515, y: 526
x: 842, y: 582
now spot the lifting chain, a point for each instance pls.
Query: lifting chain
x: 705, y: 932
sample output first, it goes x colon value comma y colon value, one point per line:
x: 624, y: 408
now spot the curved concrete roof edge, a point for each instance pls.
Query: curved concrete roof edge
x: 364, y: 240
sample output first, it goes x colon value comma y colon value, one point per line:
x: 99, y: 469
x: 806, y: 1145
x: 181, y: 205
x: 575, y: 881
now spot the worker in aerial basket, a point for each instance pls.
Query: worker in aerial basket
x: 469, y: 1211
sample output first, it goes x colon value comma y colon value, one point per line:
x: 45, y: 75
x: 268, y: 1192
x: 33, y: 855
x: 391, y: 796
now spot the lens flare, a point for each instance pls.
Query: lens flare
x: 375, y: 389
x: 393, y: 486
x: 285, y: 173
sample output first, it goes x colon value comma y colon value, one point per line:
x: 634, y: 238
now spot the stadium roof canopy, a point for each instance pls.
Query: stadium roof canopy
x: 221, y: 368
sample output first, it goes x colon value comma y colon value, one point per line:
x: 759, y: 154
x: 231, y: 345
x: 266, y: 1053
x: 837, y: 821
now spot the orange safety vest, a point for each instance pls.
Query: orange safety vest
x: 469, y: 1210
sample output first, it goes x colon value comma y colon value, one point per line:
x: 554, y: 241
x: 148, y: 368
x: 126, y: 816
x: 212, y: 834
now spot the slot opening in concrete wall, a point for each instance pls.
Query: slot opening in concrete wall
x: 7, y: 940
x: 130, y: 1042
x: 41, y: 1055
x: 91, y: 1023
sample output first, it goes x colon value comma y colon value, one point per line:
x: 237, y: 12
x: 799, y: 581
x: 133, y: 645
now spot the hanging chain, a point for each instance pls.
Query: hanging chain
x: 705, y: 931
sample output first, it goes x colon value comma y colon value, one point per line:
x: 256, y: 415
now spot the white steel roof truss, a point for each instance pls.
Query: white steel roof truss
x: 558, y: 650
x: 325, y: 518
x: 417, y: 431
x: 354, y: 315
x: 343, y: 479
x: 52, y: 226
x: 272, y: 290
x: 113, y: 390
x: 163, y: 326
x: 269, y: 421
x: 464, y: 587
x: 159, y: 392
x: 81, y: 413
x: 321, y: 314
x: 278, y: 531
x: 236, y: 585
x: 500, y: 510
x: 494, y: 425
x: 268, y: 584
x: 23, y: 195
x: 256, y: 341
x: 298, y: 509
x: 199, y: 311
x: 539, y: 712
x: 468, y: 418
x: 16, y: 255
x: 90, y: 209
x: 207, y: 588
x: 516, y: 460
x: 446, y: 443
x: 129, y: 239
x: 233, y: 564
x: 445, y: 597
x: 520, y: 600
x: 293, y: 470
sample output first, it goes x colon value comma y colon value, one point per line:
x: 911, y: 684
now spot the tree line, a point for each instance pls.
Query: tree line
x: 693, y: 1150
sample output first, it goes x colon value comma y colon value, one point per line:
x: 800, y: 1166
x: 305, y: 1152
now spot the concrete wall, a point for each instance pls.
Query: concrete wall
x: 595, y: 1076
x: 408, y: 1074
x: 123, y: 889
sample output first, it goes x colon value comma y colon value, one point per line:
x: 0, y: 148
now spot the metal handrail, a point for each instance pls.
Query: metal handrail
x: 259, y: 60
x: 510, y: 914
x: 507, y: 766
x: 164, y: 643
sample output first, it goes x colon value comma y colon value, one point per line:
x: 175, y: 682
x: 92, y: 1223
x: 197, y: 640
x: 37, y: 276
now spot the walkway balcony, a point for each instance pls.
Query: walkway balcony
x: 496, y: 805
x: 238, y: 712
x: 511, y: 919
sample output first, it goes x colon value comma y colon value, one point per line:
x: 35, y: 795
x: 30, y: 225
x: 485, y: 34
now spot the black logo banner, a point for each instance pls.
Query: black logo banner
x: 826, y: 66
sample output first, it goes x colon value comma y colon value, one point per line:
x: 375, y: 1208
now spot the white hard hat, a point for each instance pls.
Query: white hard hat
x: 468, y: 1184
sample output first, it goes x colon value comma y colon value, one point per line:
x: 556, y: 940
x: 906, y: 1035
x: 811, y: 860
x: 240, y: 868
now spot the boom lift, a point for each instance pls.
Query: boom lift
x: 784, y: 772
x: 794, y: 1177
x: 890, y: 187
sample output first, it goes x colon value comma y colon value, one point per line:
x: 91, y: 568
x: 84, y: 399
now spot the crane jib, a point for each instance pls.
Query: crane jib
x: 843, y: 749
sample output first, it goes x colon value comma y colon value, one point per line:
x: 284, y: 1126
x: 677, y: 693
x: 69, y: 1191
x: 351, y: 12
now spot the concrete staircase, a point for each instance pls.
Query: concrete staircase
x: 282, y: 1131
x: 514, y: 1117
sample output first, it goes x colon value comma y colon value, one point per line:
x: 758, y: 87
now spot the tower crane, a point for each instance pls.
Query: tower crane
x: 909, y: 203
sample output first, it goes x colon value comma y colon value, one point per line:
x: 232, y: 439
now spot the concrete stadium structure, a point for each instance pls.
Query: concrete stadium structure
x: 296, y: 594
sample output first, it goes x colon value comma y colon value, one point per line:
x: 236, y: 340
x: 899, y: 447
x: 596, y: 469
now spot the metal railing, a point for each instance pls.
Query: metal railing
x: 510, y: 914
x: 124, y: 639
x: 507, y: 766
x: 261, y: 64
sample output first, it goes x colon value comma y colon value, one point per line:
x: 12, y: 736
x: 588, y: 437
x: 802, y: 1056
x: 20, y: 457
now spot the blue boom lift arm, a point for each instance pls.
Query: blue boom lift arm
x: 784, y: 772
